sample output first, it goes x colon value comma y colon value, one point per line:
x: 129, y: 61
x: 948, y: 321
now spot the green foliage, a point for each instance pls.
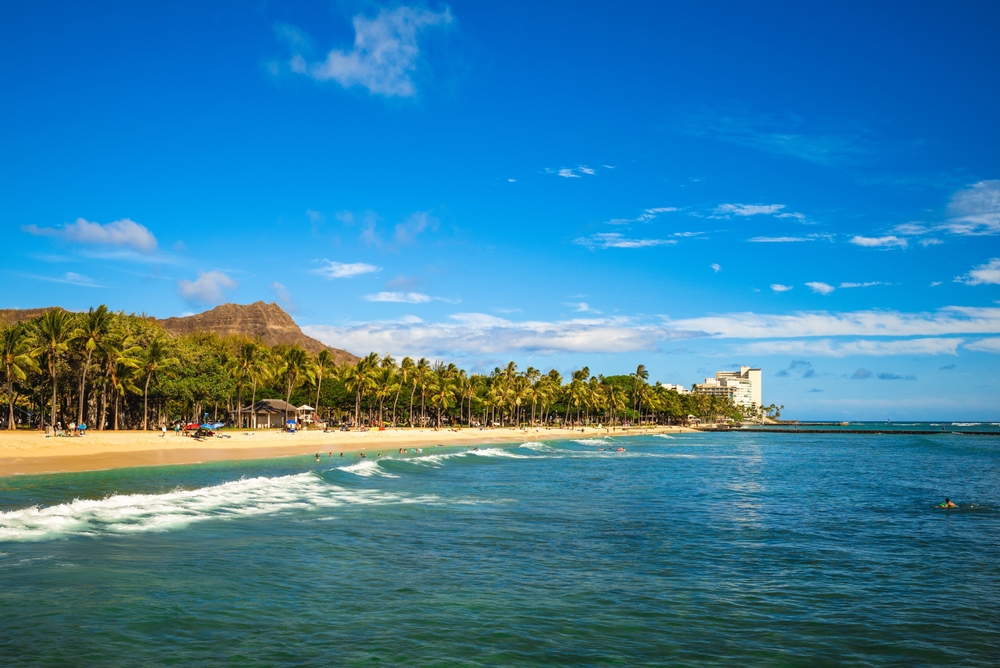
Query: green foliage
x: 123, y: 371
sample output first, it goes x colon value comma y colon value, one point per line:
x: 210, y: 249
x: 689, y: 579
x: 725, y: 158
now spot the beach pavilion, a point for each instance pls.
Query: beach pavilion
x: 268, y: 413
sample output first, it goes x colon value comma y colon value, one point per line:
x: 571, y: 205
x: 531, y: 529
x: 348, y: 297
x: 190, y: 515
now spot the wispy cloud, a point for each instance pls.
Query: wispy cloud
x: 716, y: 267
x: 572, y: 172
x: 603, y: 240
x: 975, y: 210
x: 473, y: 334
x: 384, y: 56
x: 124, y: 233
x: 398, y: 297
x: 748, y: 209
x: 984, y: 345
x: 820, y: 288
x: 791, y: 136
x: 208, y: 288
x: 867, y: 347
x: 945, y: 321
x: 69, y: 278
x: 983, y: 274
x: 644, y: 217
x: 778, y: 287
x: 345, y: 269
x: 777, y: 240
x: 860, y: 285
x: 879, y: 242
x: 284, y: 296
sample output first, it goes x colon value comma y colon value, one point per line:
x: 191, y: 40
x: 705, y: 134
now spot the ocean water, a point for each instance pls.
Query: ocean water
x: 696, y: 550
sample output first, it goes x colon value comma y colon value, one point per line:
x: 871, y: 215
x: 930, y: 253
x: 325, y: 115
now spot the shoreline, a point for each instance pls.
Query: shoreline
x: 32, y: 453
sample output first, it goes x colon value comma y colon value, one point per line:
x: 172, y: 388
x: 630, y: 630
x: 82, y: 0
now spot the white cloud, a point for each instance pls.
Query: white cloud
x: 399, y: 297
x: 384, y: 56
x: 983, y: 274
x: 586, y: 170
x: 820, y: 288
x: 568, y: 173
x: 646, y: 216
x: 930, y: 241
x: 478, y: 334
x: 778, y: 287
x: 748, y: 209
x: 830, y: 348
x: 284, y: 296
x: 604, y: 240
x: 879, y: 242
x: 345, y: 269
x: 777, y: 240
x: 716, y: 267
x: 984, y: 345
x: 945, y: 321
x: 860, y: 285
x: 407, y: 231
x: 123, y: 233
x: 975, y: 210
x: 208, y: 288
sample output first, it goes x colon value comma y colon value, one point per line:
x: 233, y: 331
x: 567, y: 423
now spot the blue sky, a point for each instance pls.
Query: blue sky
x: 812, y: 190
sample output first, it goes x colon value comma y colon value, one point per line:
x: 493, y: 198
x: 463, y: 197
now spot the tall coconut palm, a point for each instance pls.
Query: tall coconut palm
x: 442, y: 395
x: 358, y: 378
x: 405, y: 373
x: 120, y: 354
x: 53, y: 331
x: 155, y: 360
x: 244, y: 362
x: 294, y: 363
x: 323, y: 366
x: 93, y: 325
x: 18, y: 358
x: 419, y: 371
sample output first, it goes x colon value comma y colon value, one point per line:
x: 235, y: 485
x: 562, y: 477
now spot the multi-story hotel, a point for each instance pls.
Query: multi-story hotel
x: 743, y: 386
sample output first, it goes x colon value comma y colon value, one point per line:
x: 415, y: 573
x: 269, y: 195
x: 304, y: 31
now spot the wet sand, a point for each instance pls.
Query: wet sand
x: 30, y: 452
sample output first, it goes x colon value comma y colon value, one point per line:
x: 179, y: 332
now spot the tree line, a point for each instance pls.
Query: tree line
x: 115, y: 371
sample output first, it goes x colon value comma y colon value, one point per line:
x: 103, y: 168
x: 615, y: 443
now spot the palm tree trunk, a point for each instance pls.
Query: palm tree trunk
x: 412, y: 391
x: 10, y: 401
x: 52, y: 415
x: 83, y: 385
x: 145, y: 404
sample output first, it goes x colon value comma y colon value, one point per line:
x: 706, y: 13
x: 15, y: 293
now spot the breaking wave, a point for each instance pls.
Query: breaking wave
x: 135, y: 513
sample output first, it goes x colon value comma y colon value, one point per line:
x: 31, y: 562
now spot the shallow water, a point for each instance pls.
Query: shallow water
x: 696, y: 549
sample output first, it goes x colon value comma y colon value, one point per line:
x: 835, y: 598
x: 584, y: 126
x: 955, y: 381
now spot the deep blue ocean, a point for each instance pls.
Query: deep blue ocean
x: 698, y: 549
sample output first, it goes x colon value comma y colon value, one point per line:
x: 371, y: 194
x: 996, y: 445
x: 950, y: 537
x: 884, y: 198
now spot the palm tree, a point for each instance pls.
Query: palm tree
x: 419, y: 372
x: 405, y: 374
x: 54, y: 330
x: 155, y: 360
x: 120, y: 359
x: 442, y: 395
x: 357, y: 379
x: 293, y: 364
x: 18, y: 359
x: 324, y: 364
x: 94, y: 325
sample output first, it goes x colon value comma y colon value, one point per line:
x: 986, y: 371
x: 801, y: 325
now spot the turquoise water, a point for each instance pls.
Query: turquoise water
x: 697, y: 550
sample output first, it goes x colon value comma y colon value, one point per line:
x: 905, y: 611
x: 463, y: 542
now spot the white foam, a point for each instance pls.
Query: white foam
x: 366, y: 468
x: 538, y: 447
x: 665, y: 436
x: 593, y: 441
x: 135, y: 513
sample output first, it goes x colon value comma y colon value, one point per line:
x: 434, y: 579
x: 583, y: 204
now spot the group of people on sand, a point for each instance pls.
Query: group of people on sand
x: 73, y: 429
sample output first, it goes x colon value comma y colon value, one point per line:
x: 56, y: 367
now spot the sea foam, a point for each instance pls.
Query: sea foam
x: 135, y: 513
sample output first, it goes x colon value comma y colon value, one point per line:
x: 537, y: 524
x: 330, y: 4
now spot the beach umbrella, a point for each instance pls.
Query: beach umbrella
x: 206, y: 426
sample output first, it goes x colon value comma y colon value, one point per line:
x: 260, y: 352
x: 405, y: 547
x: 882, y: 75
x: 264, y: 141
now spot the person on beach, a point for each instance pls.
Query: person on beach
x: 163, y: 431
x: 948, y: 503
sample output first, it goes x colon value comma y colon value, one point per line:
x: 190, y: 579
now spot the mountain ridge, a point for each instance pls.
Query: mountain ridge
x: 259, y: 320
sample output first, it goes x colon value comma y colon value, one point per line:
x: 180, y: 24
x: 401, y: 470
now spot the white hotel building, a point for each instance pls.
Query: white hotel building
x: 743, y: 386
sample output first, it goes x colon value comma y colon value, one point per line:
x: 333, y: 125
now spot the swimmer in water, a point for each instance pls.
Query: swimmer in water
x: 948, y: 503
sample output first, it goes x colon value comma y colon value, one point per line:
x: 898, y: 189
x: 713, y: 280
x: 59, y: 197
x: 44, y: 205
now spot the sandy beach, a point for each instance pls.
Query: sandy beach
x: 31, y: 452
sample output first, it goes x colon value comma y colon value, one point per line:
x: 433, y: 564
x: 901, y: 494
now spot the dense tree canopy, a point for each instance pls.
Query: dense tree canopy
x: 116, y: 371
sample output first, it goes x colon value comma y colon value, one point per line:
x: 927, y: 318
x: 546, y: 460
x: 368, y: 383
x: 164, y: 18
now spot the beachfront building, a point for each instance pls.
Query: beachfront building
x: 679, y: 389
x: 267, y: 413
x: 307, y: 413
x: 742, y: 387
